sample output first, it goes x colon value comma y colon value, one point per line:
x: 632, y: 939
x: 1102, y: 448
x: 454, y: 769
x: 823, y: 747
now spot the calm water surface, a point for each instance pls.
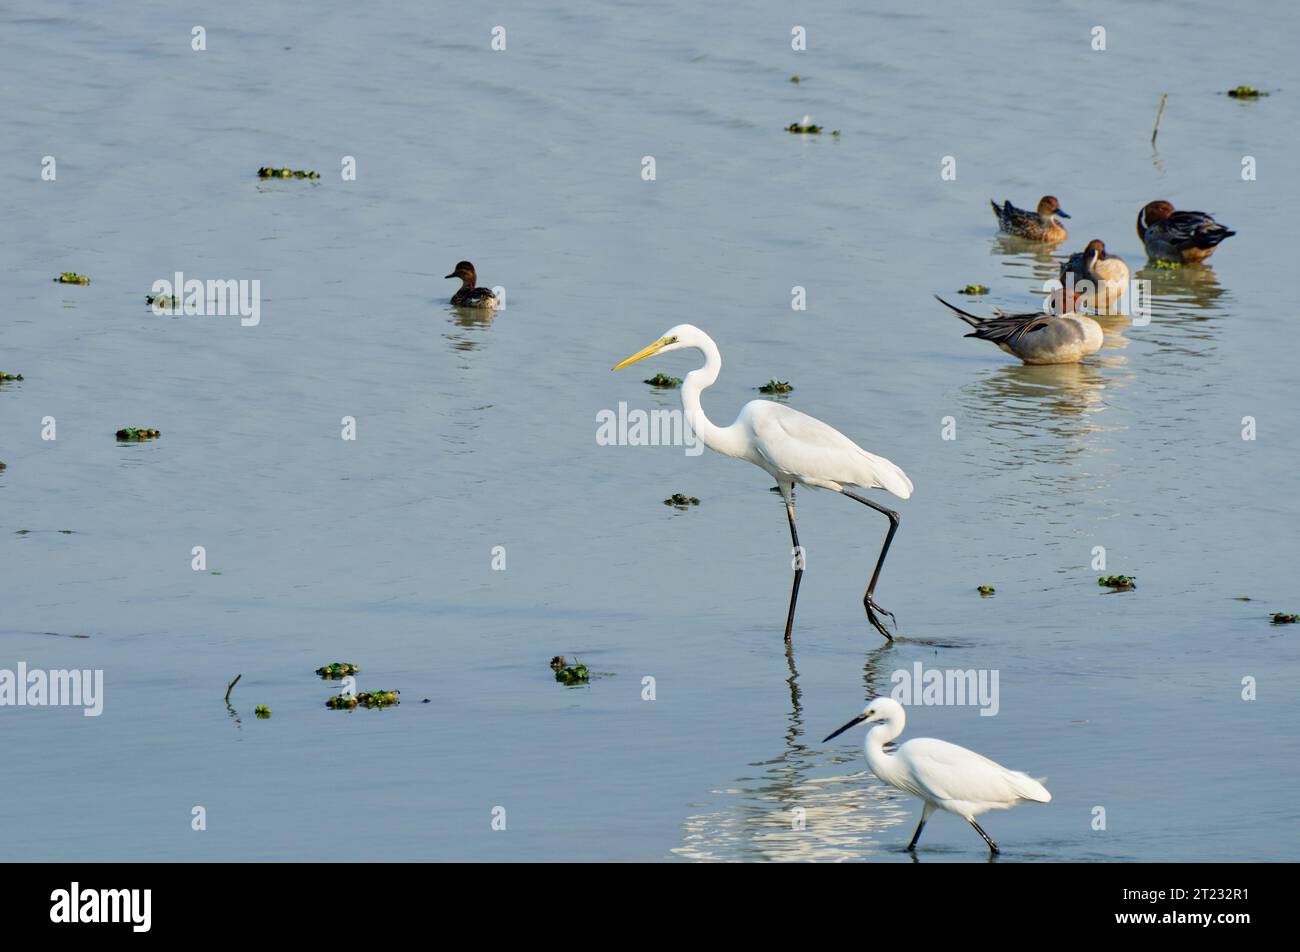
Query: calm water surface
x: 477, y: 433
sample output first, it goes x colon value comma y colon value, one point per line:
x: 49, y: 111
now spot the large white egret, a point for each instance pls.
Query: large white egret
x: 943, y: 775
x: 792, y: 446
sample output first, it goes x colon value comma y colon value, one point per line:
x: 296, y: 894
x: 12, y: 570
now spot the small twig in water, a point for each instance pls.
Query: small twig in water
x: 1159, y: 112
x: 231, y: 686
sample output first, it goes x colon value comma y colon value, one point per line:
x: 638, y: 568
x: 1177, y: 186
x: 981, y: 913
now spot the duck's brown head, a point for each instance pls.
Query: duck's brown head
x: 1049, y: 206
x: 1151, y: 213
x: 465, y: 271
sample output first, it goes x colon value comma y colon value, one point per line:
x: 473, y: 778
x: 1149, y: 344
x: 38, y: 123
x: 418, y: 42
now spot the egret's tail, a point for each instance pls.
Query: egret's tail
x: 1027, y: 788
x: 885, y: 475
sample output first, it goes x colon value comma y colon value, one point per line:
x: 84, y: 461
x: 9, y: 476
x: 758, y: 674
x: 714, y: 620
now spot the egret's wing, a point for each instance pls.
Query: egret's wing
x: 805, y: 447
x: 950, y: 772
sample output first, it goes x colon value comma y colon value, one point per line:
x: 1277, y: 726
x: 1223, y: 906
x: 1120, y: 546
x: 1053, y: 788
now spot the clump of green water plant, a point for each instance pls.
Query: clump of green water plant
x: 1245, y: 92
x: 338, y: 669
x: 681, y: 501
x: 776, y: 386
x: 986, y: 590
x: 1281, y: 618
x: 974, y: 289
x: 137, y: 433
x: 664, y: 381
x: 566, y: 673
x: 1120, y: 583
x: 71, y: 277
x: 8, y: 376
x: 1164, y: 265
x: 805, y: 127
x: 268, y: 171
x: 378, y: 698
x: 166, y: 302
x: 262, y: 711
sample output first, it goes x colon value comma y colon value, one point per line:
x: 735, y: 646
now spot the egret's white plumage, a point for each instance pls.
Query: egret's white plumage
x: 792, y: 446
x: 943, y: 775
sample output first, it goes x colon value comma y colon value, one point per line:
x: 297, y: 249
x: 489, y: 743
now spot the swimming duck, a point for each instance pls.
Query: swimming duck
x: 469, y: 295
x: 1038, y: 338
x: 1095, y: 271
x: 1040, y: 225
x: 1180, y: 237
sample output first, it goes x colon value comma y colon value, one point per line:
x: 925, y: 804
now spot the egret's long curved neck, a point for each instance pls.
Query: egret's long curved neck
x: 881, y: 763
x: 726, y: 440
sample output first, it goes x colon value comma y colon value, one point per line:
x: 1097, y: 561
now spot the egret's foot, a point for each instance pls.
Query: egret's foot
x: 870, y: 604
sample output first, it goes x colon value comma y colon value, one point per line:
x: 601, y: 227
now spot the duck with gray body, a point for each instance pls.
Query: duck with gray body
x: 1035, y: 337
x: 1183, y: 237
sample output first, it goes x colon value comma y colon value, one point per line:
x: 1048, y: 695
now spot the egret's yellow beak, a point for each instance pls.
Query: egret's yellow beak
x: 644, y: 352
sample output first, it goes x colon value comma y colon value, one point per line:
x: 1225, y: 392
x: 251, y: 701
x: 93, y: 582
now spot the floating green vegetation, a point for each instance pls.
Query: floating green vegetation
x: 8, y: 376
x: 796, y: 78
x: 1241, y: 598
x: 566, y: 673
x: 137, y: 433
x: 167, y: 302
x: 267, y: 171
x: 805, y: 130
x: 776, y: 386
x: 1164, y: 265
x: 1121, y: 583
x: 338, y: 669
x: 664, y: 381
x: 986, y: 590
x: 974, y: 289
x: 681, y: 501
x: 345, y: 702
x: 1245, y: 92
x: 1282, y: 619
x: 71, y: 277
x: 262, y: 711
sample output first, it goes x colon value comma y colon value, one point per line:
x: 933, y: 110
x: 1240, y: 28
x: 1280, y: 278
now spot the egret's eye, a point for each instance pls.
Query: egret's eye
x: 870, y: 713
x: 671, y: 340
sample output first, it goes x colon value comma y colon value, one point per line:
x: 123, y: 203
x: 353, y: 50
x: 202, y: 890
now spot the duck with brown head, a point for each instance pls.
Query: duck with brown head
x: 1098, y: 278
x: 1180, y: 237
x: 468, y: 295
x: 1040, y: 225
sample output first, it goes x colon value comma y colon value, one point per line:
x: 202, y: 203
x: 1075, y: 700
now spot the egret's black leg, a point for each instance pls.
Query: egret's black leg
x: 798, y: 571
x: 917, y: 835
x: 992, y: 846
x: 868, y: 602
x: 926, y: 810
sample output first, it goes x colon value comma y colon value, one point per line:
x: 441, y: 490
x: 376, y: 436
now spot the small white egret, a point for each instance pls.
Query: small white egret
x: 792, y: 446
x: 943, y: 775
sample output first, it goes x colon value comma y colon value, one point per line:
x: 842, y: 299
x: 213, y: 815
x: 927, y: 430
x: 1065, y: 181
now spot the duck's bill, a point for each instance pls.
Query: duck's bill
x: 857, y: 720
x: 1062, y: 214
x: 642, y: 354
x: 452, y: 275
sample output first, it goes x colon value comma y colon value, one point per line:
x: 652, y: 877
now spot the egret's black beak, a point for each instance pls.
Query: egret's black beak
x: 857, y: 720
x: 1062, y: 214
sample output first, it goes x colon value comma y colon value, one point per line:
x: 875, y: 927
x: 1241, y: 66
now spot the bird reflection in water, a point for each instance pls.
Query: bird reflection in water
x: 1039, y: 414
x: 844, y: 816
x: 473, y: 323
